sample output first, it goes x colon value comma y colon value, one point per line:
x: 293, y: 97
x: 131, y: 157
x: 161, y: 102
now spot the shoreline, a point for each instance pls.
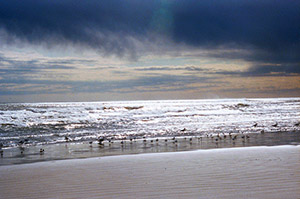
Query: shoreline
x: 151, y: 145
x: 244, y: 172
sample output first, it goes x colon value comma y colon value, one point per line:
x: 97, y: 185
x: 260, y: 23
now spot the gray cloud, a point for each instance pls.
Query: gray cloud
x: 142, y: 84
x: 187, y: 68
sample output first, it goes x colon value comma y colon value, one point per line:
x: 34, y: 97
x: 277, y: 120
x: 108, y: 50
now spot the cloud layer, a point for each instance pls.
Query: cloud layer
x: 263, y: 34
x: 270, y: 27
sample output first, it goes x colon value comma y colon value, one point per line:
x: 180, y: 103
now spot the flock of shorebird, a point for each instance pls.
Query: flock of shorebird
x: 103, y: 141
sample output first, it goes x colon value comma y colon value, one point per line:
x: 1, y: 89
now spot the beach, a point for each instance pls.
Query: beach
x: 242, y: 172
x: 223, y: 148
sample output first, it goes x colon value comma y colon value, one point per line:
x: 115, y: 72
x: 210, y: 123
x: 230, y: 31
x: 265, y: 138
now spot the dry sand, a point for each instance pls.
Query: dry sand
x: 250, y: 172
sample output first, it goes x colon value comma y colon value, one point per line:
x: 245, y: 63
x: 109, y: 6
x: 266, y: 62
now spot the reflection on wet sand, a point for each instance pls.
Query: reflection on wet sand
x: 108, y: 147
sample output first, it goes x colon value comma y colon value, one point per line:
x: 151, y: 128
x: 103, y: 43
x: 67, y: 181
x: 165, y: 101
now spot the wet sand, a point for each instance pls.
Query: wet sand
x: 30, y: 154
x: 247, y: 172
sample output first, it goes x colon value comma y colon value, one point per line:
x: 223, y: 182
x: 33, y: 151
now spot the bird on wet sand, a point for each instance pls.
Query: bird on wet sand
x: 42, y: 151
x: 234, y: 137
x: 101, y: 140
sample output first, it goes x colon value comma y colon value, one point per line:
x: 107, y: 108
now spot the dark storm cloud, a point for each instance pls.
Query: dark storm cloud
x: 102, y: 25
x: 268, y: 30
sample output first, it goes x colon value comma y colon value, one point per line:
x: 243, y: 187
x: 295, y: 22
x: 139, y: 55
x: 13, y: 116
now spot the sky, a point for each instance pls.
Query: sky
x: 74, y: 50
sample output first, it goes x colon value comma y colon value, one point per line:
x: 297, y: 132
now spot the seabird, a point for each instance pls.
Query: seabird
x: 184, y: 129
x: 100, y: 140
x: 255, y: 125
x: 21, y: 142
x: 234, y: 138
x: 42, y: 151
x: 275, y: 125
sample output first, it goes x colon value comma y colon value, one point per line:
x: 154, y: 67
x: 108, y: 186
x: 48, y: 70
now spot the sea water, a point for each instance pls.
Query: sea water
x: 53, y: 124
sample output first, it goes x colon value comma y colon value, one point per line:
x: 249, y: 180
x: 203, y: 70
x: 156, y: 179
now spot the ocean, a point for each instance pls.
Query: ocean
x: 73, y: 129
